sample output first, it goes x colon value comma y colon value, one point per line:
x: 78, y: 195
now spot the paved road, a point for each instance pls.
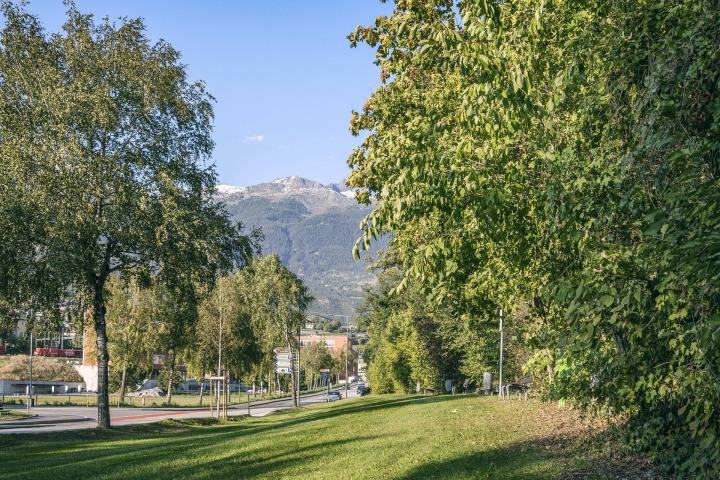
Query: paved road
x: 61, y: 418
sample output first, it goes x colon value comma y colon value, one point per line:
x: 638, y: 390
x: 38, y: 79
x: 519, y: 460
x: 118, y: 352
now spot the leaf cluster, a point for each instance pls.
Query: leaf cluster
x: 563, y: 155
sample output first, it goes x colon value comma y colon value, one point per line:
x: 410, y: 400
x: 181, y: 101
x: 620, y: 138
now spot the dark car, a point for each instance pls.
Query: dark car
x: 360, y: 389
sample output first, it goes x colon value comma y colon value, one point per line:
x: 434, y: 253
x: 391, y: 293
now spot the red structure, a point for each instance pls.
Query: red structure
x: 58, y: 352
x: 2, y: 349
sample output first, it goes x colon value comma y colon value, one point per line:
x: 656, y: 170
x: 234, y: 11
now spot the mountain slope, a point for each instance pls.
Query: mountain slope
x: 313, y: 228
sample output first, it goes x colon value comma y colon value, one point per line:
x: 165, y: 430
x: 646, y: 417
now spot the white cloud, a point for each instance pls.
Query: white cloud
x: 254, y: 138
x: 331, y: 157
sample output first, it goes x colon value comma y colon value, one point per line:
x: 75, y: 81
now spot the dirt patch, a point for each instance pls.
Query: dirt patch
x: 584, y: 449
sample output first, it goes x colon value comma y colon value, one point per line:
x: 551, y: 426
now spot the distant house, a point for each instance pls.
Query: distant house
x: 334, y: 342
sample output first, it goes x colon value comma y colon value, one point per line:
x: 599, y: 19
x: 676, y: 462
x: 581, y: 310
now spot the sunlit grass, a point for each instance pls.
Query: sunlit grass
x: 400, y: 437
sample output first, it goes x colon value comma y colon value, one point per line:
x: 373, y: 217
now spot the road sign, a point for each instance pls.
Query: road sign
x: 283, y: 370
x: 283, y: 363
x: 281, y: 350
x: 283, y: 356
x: 324, y: 370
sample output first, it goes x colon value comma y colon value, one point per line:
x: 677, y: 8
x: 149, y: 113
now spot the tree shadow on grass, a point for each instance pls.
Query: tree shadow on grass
x: 190, y: 456
x: 531, y: 459
x: 260, y: 462
x: 154, y: 449
x: 552, y: 456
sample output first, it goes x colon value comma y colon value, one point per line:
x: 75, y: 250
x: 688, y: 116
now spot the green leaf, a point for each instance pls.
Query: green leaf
x: 708, y: 441
x: 655, y: 227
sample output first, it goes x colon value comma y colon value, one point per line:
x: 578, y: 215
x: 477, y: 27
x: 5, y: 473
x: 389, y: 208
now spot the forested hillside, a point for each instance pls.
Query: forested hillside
x: 313, y: 229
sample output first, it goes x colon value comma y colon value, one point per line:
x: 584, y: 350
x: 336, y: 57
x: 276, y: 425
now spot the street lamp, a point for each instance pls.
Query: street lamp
x: 501, y: 352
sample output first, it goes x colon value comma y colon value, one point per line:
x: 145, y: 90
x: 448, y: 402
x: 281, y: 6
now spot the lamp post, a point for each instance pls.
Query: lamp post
x: 347, y: 341
x: 30, y: 390
x: 501, y: 352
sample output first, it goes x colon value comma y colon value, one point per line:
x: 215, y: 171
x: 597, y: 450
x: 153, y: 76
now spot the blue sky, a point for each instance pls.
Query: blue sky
x: 283, y: 74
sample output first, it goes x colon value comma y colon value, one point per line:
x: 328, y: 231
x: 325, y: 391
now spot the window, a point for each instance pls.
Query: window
x: 329, y: 343
x: 305, y: 343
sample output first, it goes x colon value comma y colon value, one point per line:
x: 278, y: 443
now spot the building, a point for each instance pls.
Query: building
x: 334, y: 342
x: 20, y: 329
x: 362, y: 368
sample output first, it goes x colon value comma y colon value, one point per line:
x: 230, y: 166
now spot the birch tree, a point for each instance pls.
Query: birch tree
x: 279, y: 300
x: 103, y: 160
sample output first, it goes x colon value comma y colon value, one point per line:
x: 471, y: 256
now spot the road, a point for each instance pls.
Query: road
x: 62, y: 418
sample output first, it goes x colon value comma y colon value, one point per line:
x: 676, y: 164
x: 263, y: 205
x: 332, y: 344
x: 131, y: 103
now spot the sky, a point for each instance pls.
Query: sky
x: 282, y: 72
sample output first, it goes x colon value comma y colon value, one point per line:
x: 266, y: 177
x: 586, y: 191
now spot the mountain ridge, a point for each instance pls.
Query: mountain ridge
x: 313, y: 228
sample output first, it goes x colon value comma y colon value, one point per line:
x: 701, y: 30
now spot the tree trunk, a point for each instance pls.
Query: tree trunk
x: 202, y: 382
x: 171, y: 375
x: 103, y: 399
x: 550, y: 369
x: 122, y: 381
x: 261, y: 384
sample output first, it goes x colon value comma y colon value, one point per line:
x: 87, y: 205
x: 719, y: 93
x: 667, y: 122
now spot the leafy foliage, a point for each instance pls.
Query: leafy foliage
x: 563, y: 155
x: 102, y: 152
x: 276, y: 301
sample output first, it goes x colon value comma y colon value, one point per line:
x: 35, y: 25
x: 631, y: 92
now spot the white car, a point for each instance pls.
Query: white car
x: 332, y: 396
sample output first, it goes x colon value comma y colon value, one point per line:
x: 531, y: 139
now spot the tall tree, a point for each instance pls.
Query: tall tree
x: 279, y: 300
x: 224, y: 334
x: 131, y: 327
x: 315, y: 358
x: 106, y: 140
x: 563, y: 153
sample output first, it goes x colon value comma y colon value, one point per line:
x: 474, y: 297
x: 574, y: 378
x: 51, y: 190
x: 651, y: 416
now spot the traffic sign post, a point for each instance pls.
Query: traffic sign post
x: 283, y: 360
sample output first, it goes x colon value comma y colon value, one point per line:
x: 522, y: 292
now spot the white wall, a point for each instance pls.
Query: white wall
x: 89, y: 375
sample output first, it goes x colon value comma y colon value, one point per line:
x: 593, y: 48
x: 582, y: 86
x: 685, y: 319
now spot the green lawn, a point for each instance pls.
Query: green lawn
x: 374, y: 437
x: 12, y: 415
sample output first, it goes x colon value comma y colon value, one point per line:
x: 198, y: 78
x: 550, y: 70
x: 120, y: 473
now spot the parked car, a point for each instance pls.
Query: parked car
x: 360, y: 389
x: 332, y: 396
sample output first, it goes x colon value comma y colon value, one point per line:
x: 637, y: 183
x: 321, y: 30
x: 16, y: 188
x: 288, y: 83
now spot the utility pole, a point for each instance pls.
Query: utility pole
x: 298, y: 366
x: 220, y: 309
x: 30, y: 386
x: 501, y: 352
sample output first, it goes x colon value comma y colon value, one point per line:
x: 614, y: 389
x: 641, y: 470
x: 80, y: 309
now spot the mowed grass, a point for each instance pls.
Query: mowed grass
x: 374, y: 437
x: 13, y: 415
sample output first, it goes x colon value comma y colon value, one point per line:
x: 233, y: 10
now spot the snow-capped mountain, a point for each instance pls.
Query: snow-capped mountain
x: 314, y: 195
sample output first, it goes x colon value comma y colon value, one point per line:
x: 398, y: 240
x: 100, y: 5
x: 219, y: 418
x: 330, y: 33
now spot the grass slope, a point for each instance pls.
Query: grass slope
x: 398, y: 437
x: 49, y: 369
